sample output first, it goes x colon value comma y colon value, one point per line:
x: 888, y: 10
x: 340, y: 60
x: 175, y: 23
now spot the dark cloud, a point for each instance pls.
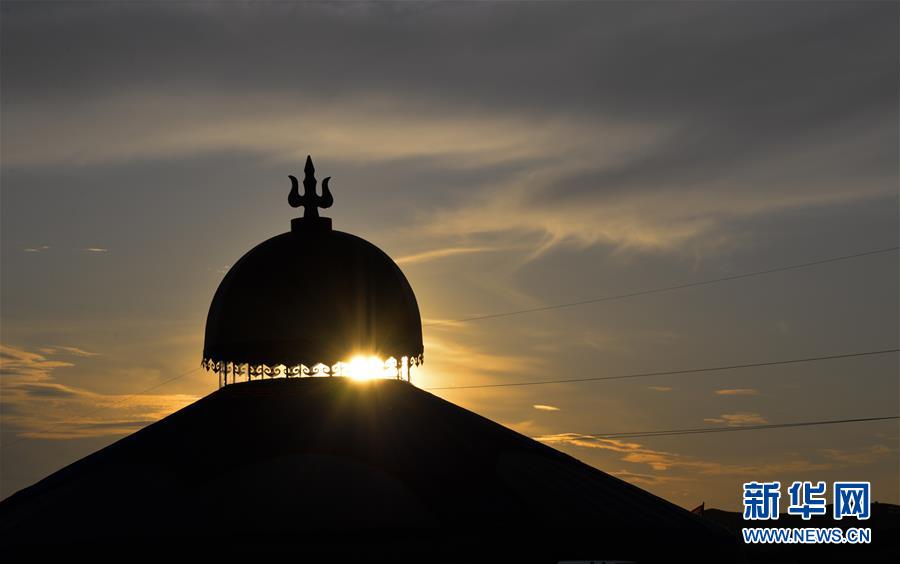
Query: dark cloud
x: 753, y: 61
x: 47, y: 390
x: 734, y: 83
x: 864, y: 149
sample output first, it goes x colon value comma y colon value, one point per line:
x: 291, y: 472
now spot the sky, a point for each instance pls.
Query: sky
x: 508, y: 156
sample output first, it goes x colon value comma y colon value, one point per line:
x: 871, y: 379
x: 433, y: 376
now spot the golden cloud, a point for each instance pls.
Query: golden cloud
x: 737, y: 392
x: 661, y: 461
x: 37, y: 407
x: 437, y: 254
x: 59, y: 349
x: 738, y: 419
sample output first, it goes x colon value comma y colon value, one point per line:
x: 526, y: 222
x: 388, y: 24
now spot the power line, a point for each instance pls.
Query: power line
x: 669, y: 372
x: 702, y: 430
x: 159, y: 385
x: 660, y: 290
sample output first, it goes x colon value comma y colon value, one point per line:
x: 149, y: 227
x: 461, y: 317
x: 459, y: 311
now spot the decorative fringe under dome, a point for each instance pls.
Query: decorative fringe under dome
x: 247, y: 372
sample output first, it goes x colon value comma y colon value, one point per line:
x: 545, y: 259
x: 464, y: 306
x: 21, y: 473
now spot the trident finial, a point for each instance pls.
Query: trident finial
x: 310, y: 200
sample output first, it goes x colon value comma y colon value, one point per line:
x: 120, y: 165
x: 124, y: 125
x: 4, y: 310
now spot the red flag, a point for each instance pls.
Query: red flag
x: 699, y: 509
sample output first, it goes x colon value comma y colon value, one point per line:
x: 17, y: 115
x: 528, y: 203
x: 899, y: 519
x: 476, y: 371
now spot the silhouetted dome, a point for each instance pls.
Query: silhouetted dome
x: 312, y: 296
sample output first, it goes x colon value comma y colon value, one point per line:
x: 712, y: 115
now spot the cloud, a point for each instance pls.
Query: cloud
x: 660, y: 388
x: 73, y: 351
x: 35, y: 406
x: 436, y: 254
x: 40, y: 249
x: 590, y: 441
x: 46, y: 390
x: 738, y: 419
x: 661, y: 461
x: 95, y: 250
x: 624, y: 341
x: 737, y: 392
x: 647, y: 479
x: 633, y: 452
x: 23, y: 366
x: 525, y: 427
x: 541, y: 407
x: 597, y: 148
x: 439, y: 322
x: 605, y: 341
x: 865, y: 455
x: 459, y: 359
x: 647, y: 218
x: 784, y: 52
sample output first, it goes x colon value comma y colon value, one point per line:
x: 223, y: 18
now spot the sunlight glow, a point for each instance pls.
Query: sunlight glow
x: 365, y: 368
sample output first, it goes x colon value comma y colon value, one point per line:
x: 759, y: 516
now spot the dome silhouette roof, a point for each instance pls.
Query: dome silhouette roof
x: 312, y: 296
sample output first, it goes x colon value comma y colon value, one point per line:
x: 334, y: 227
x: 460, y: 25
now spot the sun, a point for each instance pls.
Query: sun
x: 362, y: 368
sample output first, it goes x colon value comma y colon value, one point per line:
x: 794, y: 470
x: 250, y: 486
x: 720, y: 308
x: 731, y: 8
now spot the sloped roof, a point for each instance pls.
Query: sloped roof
x: 325, y: 464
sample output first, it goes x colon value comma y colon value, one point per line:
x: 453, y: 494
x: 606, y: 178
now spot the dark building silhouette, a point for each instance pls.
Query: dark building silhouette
x: 309, y: 300
x: 326, y: 467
